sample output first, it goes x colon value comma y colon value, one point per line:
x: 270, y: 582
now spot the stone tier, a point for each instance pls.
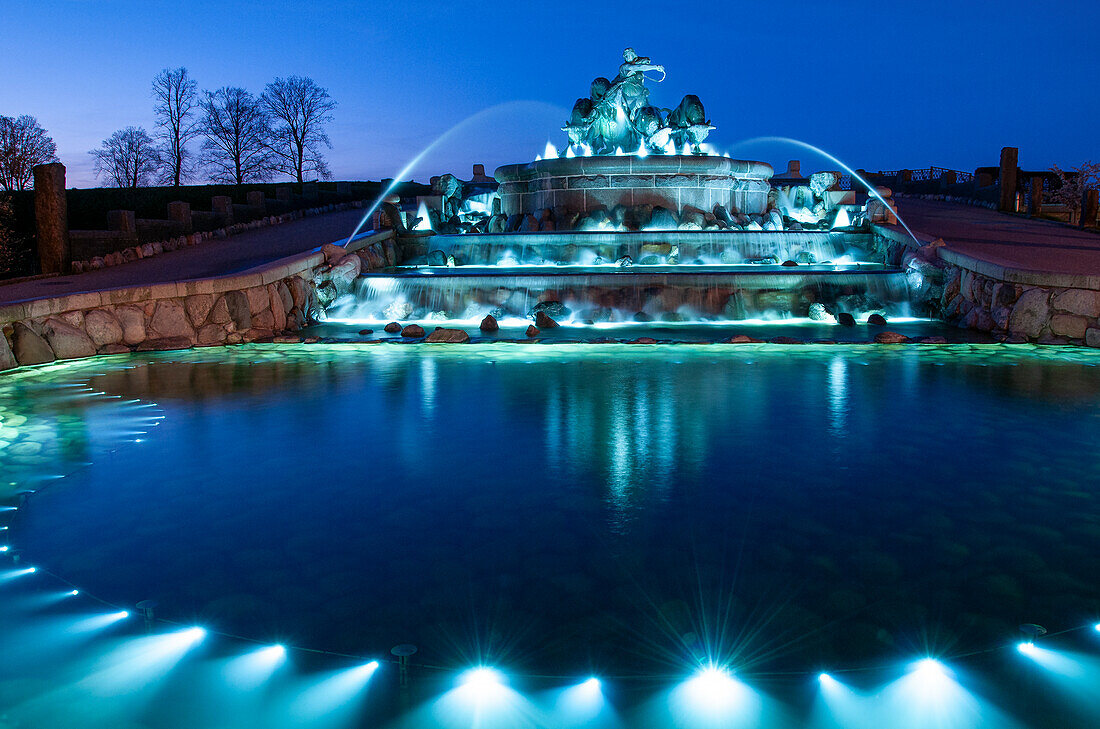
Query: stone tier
x: 676, y: 182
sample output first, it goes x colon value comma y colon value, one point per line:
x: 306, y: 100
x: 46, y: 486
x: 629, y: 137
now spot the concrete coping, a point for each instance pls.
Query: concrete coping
x: 654, y: 164
x: 259, y: 276
x: 1008, y: 274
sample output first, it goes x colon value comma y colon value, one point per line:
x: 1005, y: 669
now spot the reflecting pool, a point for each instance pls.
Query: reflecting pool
x: 572, y: 510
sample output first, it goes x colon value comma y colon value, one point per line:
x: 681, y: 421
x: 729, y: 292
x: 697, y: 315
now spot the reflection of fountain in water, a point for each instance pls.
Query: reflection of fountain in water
x: 818, y: 150
x: 838, y: 398
x: 510, y: 106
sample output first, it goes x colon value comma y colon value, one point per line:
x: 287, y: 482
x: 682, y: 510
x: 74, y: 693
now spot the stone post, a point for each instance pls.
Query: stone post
x: 223, y: 205
x: 1009, y: 159
x: 255, y: 199
x: 282, y: 193
x: 1035, y: 207
x: 180, y: 212
x: 310, y: 191
x: 51, y: 217
x: 123, y: 221
x: 1090, y: 202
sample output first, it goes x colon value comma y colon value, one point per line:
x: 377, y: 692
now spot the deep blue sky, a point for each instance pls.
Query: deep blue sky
x: 944, y: 83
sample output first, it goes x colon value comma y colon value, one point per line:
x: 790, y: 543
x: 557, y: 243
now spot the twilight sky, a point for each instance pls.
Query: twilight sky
x: 881, y: 87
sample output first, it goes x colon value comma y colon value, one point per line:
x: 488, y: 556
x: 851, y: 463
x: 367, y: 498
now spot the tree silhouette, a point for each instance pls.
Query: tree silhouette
x: 300, y: 109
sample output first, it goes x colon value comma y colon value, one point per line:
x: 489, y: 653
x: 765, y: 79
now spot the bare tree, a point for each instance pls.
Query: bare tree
x: 236, y: 132
x: 301, y: 109
x: 175, y: 100
x: 23, y: 144
x: 1074, y: 182
x: 127, y: 158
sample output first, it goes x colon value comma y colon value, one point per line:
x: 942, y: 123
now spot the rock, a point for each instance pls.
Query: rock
x: 1069, y: 325
x: 891, y: 338
x: 846, y: 319
x: 1082, y: 302
x: 543, y: 321
x: 7, y: 357
x: 788, y: 264
x: 413, y: 331
x: 877, y: 320
x: 299, y: 292
x: 264, y: 320
x: 211, y: 334
x: 67, y: 341
x: 114, y: 349
x: 132, y: 319
x: 198, y: 308
x: 170, y: 320
x: 1092, y: 337
x: 1031, y: 313
x: 741, y: 339
x: 550, y: 308
x: 785, y: 340
x: 624, y: 262
x: 393, y: 327
x: 276, y: 305
x: 365, y: 332
x: 818, y: 312
x: 333, y: 253
x: 239, y: 311
x: 437, y: 258
x: 450, y: 336
x: 219, y: 314
x: 258, y: 299
x: 398, y: 310
x: 662, y: 219
x: 489, y: 324
x: 643, y: 340
x: 930, y: 340
x: 164, y: 344
x: 642, y: 317
x: 532, y: 331
x: 102, y: 327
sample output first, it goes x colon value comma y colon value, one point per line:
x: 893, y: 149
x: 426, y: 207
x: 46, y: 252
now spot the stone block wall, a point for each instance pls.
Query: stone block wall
x: 269, y: 304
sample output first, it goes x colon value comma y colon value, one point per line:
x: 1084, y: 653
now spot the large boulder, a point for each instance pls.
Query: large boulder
x: 452, y: 336
x: 198, y: 308
x: 489, y: 324
x: 132, y: 320
x: 239, y: 312
x: 1069, y: 325
x: 66, y: 341
x: 103, y: 327
x: 413, y: 331
x: 333, y: 253
x: 1082, y: 302
x: 7, y: 357
x: 28, y: 347
x: 258, y: 299
x: 170, y: 320
x: 1030, y: 314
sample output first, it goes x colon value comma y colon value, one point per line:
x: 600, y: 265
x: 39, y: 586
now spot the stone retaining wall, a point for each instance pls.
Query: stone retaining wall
x: 266, y: 304
x: 1013, y: 305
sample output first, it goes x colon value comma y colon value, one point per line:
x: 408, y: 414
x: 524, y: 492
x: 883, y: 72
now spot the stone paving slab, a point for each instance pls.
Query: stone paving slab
x: 1008, y: 243
x: 218, y: 257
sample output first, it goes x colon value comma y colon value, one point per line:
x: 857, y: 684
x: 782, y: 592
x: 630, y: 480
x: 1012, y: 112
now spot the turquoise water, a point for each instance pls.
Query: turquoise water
x: 568, y: 509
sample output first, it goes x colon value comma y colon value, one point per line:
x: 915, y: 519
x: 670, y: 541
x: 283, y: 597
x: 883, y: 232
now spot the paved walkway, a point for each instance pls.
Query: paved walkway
x: 210, y: 258
x: 1005, y: 240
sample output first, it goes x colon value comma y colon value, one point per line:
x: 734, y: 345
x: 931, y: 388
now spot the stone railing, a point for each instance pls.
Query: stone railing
x: 270, y: 303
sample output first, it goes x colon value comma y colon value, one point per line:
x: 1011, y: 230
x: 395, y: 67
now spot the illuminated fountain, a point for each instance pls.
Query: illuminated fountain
x: 671, y: 232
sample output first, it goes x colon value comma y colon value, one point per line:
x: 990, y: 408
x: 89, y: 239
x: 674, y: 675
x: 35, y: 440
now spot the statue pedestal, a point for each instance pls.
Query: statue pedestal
x: 583, y: 184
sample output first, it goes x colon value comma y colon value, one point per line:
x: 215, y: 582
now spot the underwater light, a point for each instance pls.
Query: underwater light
x: 1096, y: 627
x: 592, y: 683
x: 825, y: 678
x: 74, y: 593
x: 1026, y: 647
x: 482, y: 677
x: 4, y: 548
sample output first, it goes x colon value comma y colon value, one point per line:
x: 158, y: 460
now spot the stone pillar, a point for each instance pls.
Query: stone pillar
x: 310, y: 191
x: 282, y: 193
x: 124, y: 221
x: 983, y: 179
x: 1009, y: 160
x: 1035, y: 207
x: 51, y: 217
x: 223, y: 205
x: 255, y: 199
x: 1090, y: 202
x: 180, y: 212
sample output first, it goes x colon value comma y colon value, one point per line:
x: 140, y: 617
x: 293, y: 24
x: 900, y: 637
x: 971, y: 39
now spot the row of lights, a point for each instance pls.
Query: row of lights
x: 711, y: 683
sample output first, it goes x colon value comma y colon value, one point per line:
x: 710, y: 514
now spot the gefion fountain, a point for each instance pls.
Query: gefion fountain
x: 639, y: 220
